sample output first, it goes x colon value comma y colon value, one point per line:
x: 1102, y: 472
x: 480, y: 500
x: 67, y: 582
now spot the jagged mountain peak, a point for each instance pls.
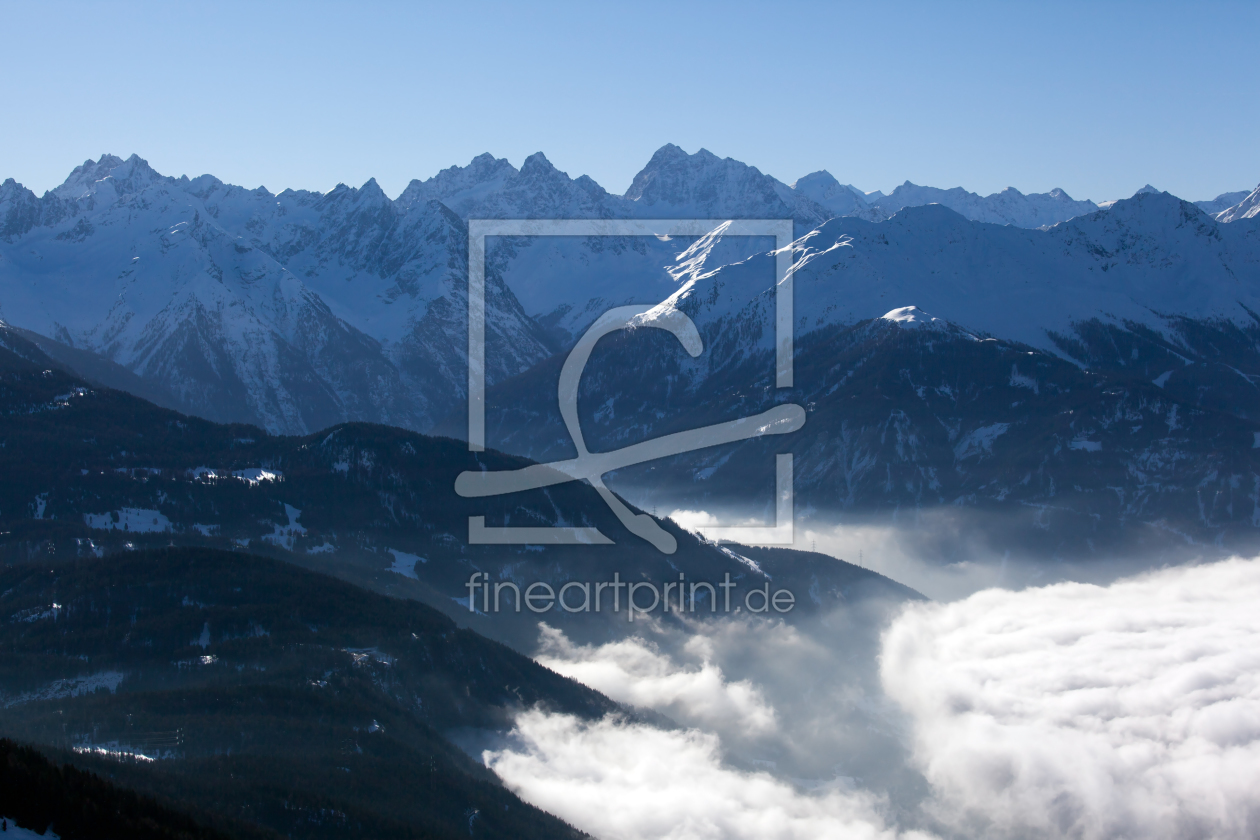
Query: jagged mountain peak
x: 589, y: 184
x: 461, y: 185
x: 369, y: 193
x: 491, y: 188
x: 666, y: 153
x: 670, y: 167
x: 372, y: 191
x: 83, y: 176
x: 485, y: 159
x: 537, y: 169
x: 702, y: 185
x: 126, y: 176
x: 537, y: 162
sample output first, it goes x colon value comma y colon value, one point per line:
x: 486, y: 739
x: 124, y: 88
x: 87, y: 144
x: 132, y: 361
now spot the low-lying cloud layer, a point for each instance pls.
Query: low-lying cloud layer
x: 622, y: 781
x: 1070, y: 711
x: 638, y: 673
x: 1131, y: 710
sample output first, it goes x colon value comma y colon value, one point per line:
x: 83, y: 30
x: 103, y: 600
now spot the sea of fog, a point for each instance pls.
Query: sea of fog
x: 1015, y: 704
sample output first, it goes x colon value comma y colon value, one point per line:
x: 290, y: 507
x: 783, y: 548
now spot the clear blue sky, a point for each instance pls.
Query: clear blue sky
x: 1097, y: 98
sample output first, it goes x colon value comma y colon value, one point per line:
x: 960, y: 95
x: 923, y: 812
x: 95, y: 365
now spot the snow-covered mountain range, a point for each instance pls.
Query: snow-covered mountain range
x: 301, y: 309
x: 293, y: 311
x: 1114, y: 356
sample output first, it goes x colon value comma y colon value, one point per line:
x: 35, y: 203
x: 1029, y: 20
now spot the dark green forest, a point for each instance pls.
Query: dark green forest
x: 92, y: 471
x: 267, y: 695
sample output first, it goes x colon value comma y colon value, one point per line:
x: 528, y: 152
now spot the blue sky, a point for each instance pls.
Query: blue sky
x: 1096, y: 98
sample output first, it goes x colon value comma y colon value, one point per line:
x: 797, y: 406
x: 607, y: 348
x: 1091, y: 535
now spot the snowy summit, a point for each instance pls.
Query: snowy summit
x: 914, y: 317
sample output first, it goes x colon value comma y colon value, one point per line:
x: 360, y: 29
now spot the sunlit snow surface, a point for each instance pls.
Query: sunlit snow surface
x: 252, y: 475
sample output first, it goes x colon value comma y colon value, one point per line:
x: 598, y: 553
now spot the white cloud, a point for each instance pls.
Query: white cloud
x: 697, y: 520
x: 634, y: 671
x: 1131, y: 710
x: 621, y: 781
x: 914, y: 556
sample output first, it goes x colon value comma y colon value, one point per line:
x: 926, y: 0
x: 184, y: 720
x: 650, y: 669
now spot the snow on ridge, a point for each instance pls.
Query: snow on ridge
x: 1224, y: 201
x: 257, y: 475
x: 1247, y: 208
x: 249, y: 475
x: 1149, y: 257
x: 914, y: 318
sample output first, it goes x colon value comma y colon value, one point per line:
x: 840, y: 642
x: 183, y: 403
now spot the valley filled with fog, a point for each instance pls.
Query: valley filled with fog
x: 1072, y: 709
